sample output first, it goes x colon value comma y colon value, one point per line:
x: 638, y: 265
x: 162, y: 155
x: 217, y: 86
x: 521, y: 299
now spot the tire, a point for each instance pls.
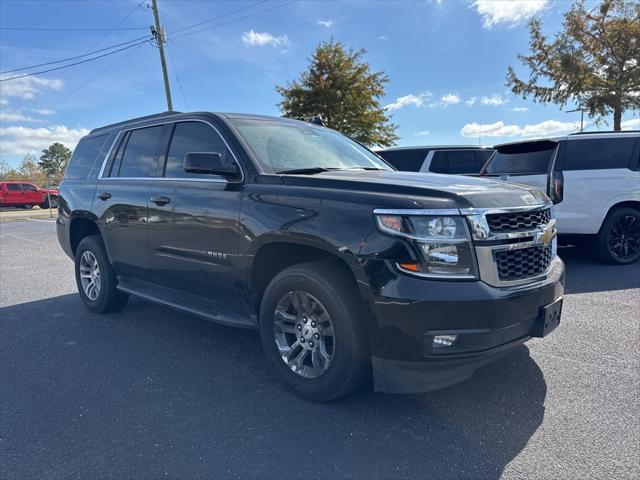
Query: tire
x: 107, y: 297
x: 618, y: 241
x: 327, y: 288
x: 45, y: 204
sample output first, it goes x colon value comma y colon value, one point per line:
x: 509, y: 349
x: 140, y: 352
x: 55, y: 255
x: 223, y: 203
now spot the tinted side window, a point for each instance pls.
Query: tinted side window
x: 462, y: 162
x: 140, y: 156
x: 83, y: 157
x: 409, y: 160
x: 28, y: 187
x: 598, y: 153
x: 13, y: 187
x: 439, y: 163
x: 192, y: 137
x: 483, y: 156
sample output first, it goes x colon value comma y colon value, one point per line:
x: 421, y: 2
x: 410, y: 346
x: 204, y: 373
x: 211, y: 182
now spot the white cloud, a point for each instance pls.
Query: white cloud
x: 633, y: 124
x: 415, y: 100
x: 4, y: 101
x: 326, y: 23
x: 43, y: 111
x: 549, y: 127
x: 470, y: 102
x: 493, y: 100
x: 448, y: 99
x: 500, y: 129
x: 510, y: 12
x: 520, y: 109
x: 18, y: 116
x: 263, y: 38
x: 28, y: 87
x: 20, y: 140
x: 383, y: 38
x: 423, y: 133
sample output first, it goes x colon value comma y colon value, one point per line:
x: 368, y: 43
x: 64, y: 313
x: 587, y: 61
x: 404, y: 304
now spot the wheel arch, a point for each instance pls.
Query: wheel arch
x: 81, y: 226
x: 635, y: 204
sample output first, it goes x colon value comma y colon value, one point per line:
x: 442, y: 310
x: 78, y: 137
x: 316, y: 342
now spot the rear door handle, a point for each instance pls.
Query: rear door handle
x: 160, y: 200
x: 104, y: 196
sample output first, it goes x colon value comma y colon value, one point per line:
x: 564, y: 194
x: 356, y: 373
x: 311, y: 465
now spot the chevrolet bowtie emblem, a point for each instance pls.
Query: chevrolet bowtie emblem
x: 545, y: 237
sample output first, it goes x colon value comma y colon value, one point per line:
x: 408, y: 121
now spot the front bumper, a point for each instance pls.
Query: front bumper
x: 489, y: 322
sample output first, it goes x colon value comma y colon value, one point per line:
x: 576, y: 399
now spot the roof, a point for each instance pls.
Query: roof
x: 575, y: 136
x: 436, y: 147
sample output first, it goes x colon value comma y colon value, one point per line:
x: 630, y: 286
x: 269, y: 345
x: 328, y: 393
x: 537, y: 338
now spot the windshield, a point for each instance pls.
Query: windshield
x: 281, y: 146
x: 523, y: 158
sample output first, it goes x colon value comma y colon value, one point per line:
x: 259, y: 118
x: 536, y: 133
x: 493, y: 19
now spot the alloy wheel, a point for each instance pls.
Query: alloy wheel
x: 304, y: 334
x: 624, y: 238
x: 90, y: 275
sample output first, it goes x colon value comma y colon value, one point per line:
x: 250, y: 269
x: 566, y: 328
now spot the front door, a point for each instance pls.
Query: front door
x: 193, y: 220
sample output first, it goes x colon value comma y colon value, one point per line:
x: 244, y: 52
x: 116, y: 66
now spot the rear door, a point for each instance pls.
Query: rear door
x: 528, y: 163
x: 121, y: 199
x: 596, y: 176
x: 31, y: 195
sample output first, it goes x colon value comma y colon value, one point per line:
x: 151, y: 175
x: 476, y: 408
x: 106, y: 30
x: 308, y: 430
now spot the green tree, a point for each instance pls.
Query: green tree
x: 54, y: 159
x: 594, y: 61
x: 340, y: 87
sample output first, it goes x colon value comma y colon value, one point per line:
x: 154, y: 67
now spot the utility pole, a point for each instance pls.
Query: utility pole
x: 160, y: 36
x: 581, y: 110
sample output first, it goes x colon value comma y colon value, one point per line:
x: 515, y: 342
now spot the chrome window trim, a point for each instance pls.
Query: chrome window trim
x: 168, y: 122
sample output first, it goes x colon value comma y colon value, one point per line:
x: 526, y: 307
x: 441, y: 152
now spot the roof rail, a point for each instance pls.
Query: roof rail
x: 605, y: 131
x: 135, y: 120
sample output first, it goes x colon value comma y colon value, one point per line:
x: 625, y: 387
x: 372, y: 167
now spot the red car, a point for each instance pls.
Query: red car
x: 26, y: 195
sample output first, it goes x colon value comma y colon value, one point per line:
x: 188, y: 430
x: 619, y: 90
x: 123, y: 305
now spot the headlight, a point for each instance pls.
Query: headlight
x: 442, y: 243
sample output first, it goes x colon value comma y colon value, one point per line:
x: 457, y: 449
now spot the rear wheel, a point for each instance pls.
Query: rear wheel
x: 312, y: 331
x: 49, y: 201
x: 618, y: 241
x: 95, y: 278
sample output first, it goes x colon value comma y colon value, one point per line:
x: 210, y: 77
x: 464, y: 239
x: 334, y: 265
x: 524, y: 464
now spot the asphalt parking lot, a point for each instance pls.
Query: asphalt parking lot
x: 151, y: 393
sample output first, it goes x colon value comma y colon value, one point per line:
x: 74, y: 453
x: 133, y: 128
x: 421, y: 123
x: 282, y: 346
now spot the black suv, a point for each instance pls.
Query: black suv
x: 454, y: 160
x: 345, y: 265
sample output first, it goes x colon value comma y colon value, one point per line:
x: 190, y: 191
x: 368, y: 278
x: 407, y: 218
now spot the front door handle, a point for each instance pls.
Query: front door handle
x: 104, y: 196
x: 160, y: 200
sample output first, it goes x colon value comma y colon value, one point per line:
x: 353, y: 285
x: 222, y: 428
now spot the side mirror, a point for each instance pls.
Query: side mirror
x: 210, y: 163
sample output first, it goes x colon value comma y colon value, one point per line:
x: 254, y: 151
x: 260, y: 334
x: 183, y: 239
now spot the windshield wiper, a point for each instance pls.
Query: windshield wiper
x: 306, y: 171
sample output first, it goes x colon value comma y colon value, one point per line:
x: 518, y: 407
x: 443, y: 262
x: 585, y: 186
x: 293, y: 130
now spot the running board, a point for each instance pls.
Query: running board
x: 185, y: 302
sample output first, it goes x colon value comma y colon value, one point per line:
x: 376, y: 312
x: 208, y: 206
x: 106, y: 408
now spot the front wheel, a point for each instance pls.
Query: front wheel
x: 618, y: 241
x: 313, y: 332
x: 95, y: 278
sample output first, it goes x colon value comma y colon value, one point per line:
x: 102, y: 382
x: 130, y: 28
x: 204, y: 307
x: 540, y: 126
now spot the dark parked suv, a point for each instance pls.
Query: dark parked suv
x: 450, y: 159
x: 346, y: 266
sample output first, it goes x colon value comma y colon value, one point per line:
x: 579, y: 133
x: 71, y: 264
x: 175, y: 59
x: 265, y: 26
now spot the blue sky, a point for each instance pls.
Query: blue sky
x: 446, y: 61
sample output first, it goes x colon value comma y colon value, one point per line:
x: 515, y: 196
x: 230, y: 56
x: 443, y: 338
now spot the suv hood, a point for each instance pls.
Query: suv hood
x: 430, y: 190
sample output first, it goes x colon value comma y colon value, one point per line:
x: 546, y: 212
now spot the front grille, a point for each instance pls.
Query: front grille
x: 523, y: 263
x: 518, y: 221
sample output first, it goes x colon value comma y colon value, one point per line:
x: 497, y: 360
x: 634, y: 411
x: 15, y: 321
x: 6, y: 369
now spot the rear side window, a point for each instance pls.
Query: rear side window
x: 13, y: 187
x: 28, y: 187
x: 521, y: 159
x: 455, y: 162
x: 192, y: 137
x: 409, y: 160
x: 84, y: 157
x: 598, y: 153
x: 140, y: 154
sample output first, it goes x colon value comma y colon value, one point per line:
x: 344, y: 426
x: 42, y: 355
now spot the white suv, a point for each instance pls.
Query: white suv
x: 594, y: 180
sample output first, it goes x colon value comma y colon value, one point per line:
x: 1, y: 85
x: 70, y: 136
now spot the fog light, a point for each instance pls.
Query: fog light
x: 444, y: 340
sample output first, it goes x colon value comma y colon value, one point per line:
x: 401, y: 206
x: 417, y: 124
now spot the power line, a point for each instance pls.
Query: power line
x: 235, y: 19
x: 217, y: 17
x: 135, y: 9
x: 73, y: 64
x: 76, y: 57
x: 70, y: 29
x: 97, y: 75
x: 175, y: 71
